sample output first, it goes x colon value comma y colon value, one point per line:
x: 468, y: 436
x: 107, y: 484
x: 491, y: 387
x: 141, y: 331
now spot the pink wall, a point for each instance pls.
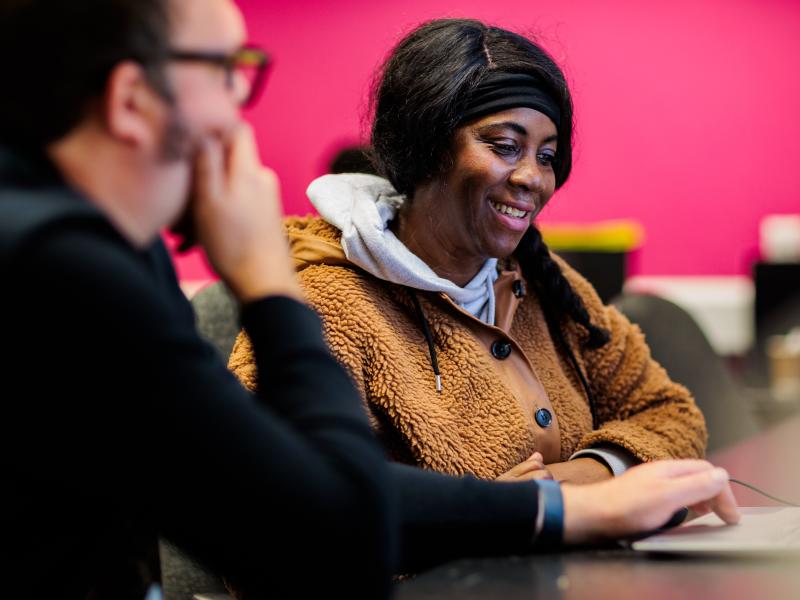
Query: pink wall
x: 688, y: 112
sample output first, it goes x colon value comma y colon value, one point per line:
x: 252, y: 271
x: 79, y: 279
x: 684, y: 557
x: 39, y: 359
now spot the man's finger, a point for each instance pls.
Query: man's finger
x: 691, y: 490
x: 675, y: 468
x: 242, y: 150
x: 208, y: 167
x: 725, y: 506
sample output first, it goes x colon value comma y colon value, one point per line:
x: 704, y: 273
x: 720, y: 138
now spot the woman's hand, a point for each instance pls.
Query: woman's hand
x: 531, y: 468
x: 644, y: 498
x: 580, y: 471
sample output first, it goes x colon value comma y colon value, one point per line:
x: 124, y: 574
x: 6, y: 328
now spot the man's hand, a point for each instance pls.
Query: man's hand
x: 644, y: 498
x: 237, y: 216
x: 531, y: 468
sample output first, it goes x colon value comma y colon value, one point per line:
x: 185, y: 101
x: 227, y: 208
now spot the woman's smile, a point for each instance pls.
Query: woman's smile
x: 513, y: 218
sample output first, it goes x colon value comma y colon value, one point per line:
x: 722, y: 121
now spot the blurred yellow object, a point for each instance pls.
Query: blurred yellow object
x: 603, y: 236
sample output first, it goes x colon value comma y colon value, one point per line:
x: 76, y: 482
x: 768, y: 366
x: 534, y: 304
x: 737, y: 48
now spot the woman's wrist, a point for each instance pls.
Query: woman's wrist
x: 580, y: 471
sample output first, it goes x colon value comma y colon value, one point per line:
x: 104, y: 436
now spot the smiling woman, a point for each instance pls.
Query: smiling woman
x: 475, y: 349
x: 501, y: 177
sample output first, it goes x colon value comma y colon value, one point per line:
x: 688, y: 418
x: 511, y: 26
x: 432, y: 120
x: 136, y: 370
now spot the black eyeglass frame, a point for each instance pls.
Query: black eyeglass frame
x: 246, y: 56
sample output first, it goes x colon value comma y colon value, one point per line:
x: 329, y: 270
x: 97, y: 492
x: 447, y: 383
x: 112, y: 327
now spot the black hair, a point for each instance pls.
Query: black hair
x: 418, y: 97
x: 56, y: 56
x: 353, y: 159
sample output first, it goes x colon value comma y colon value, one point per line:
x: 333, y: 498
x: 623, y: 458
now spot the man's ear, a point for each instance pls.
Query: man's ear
x: 133, y: 110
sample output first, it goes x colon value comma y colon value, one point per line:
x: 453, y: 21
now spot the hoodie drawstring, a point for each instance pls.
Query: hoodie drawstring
x: 426, y: 330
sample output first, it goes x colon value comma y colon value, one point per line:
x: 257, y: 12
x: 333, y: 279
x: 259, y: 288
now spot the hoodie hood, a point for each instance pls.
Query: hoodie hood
x: 361, y: 207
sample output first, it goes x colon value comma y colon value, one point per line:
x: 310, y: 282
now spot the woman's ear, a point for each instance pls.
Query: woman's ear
x: 133, y: 111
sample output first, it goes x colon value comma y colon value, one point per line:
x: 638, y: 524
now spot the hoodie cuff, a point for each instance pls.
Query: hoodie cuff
x: 614, y: 457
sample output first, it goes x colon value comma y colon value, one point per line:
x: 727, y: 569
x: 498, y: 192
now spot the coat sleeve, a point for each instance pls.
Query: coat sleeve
x: 638, y: 406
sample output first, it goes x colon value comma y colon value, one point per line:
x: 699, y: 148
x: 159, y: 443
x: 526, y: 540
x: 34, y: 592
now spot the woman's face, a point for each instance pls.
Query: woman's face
x: 501, y: 177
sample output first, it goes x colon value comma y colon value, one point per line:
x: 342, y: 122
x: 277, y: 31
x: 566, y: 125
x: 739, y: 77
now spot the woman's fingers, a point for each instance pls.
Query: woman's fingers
x: 536, y: 474
x: 532, y: 468
x: 534, y: 462
x: 541, y: 474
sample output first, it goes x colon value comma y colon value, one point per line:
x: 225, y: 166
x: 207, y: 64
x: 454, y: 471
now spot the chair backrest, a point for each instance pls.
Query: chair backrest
x: 680, y: 346
x: 217, y: 314
x: 182, y: 577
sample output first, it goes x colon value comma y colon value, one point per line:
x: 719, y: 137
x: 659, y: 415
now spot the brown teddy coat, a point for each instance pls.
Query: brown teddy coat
x: 482, y: 421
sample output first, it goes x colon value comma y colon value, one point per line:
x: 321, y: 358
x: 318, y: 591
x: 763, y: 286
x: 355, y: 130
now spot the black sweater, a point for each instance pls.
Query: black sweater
x: 120, y: 414
x: 116, y: 414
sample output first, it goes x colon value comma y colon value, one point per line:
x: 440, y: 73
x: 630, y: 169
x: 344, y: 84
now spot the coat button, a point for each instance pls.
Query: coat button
x: 501, y: 349
x: 543, y: 417
x: 518, y: 287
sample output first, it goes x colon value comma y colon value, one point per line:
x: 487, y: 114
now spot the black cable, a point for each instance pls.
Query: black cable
x: 762, y: 492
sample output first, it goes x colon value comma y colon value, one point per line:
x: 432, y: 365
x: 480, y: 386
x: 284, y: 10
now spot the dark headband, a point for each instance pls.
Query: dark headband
x: 501, y: 91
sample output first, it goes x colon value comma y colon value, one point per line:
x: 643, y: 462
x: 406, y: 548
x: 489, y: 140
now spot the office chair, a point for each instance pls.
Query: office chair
x: 680, y: 346
x: 182, y: 577
x: 217, y: 314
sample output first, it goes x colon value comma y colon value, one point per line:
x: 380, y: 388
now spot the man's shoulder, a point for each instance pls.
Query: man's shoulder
x: 53, y: 243
x: 28, y: 215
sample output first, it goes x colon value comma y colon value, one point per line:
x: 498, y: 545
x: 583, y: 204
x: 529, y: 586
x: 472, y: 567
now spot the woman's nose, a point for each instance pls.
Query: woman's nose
x: 527, y: 175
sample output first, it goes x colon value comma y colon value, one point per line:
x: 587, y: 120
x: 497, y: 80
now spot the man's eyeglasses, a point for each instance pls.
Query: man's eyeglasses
x: 249, y: 62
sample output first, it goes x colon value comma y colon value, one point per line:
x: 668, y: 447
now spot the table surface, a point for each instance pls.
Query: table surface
x: 770, y: 461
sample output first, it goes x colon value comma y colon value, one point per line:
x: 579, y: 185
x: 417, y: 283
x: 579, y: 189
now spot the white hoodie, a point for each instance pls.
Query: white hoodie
x: 362, y: 206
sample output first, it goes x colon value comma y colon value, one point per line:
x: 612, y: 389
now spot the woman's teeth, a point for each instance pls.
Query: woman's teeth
x: 509, y: 210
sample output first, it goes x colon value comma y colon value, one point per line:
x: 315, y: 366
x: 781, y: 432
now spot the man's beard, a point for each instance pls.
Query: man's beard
x: 178, y: 143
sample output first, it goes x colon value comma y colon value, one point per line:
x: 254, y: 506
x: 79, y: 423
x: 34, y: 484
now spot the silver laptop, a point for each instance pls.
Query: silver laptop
x: 762, y: 530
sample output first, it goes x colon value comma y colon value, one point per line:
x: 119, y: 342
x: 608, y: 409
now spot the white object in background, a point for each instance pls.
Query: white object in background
x: 723, y: 306
x: 779, y: 238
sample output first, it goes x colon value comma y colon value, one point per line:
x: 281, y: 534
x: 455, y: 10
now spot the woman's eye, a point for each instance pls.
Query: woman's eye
x: 546, y: 158
x: 504, y: 149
